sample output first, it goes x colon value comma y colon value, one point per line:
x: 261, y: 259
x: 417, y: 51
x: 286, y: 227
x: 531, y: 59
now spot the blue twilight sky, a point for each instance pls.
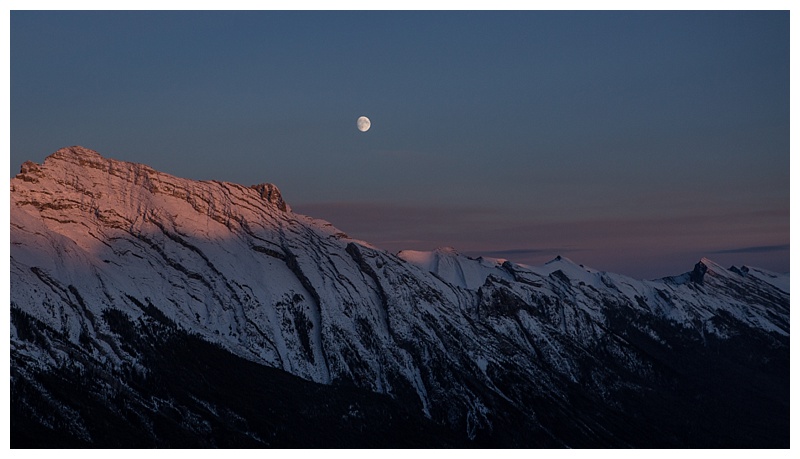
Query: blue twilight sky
x: 634, y: 142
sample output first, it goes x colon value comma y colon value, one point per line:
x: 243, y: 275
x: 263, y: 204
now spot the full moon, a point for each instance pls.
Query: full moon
x: 363, y: 124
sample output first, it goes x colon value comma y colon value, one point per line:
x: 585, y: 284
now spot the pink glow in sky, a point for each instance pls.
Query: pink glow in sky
x: 640, y: 247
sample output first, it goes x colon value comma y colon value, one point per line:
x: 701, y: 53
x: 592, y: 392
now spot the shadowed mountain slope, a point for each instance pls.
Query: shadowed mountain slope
x: 150, y: 310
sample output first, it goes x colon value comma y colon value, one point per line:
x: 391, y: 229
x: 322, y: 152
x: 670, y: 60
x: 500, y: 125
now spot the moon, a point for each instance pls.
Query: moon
x: 363, y: 123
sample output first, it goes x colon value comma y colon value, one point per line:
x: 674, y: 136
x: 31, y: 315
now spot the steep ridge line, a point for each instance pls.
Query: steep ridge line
x: 495, y: 353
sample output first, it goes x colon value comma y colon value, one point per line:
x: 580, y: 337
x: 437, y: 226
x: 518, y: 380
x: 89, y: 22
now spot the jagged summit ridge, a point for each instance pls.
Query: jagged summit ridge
x: 488, y: 348
x: 81, y: 169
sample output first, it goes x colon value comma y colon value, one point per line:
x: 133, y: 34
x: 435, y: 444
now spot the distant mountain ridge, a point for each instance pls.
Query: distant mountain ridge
x: 150, y: 310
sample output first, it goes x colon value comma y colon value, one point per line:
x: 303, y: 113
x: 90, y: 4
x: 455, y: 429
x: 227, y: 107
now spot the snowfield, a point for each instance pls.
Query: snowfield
x: 463, y: 341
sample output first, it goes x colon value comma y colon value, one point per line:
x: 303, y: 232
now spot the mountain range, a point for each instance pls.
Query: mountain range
x: 149, y: 310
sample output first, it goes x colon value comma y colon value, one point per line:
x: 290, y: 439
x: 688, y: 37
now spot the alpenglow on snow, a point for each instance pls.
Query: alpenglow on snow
x: 153, y: 311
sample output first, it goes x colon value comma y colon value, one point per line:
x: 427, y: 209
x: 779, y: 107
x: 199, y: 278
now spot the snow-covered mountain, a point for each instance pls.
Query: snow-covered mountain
x: 150, y: 310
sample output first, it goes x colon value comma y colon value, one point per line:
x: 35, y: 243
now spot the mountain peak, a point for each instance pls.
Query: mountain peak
x: 75, y: 151
x: 698, y: 273
x: 77, y: 164
x: 563, y: 259
x: 29, y: 171
x: 709, y: 263
x: 76, y: 180
x: 707, y: 266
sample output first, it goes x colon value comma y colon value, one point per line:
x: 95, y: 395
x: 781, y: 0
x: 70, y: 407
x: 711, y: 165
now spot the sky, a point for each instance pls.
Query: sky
x: 632, y: 142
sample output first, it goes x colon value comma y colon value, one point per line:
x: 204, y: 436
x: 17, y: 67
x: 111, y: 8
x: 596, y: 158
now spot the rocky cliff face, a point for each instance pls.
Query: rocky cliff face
x: 149, y: 310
